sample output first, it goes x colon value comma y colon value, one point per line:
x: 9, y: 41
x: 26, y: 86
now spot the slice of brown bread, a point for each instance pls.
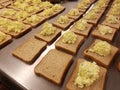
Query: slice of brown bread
x: 63, y: 26
x: 49, y: 39
x: 75, y: 17
x: 26, y: 29
x: 70, y: 48
x: 30, y: 50
x: 107, y: 37
x: 6, y: 41
x: 103, y: 61
x: 97, y: 85
x: 116, y: 25
x: 82, y: 32
x: 94, y: 21
x: 41, y: 20
x: 54, y: 66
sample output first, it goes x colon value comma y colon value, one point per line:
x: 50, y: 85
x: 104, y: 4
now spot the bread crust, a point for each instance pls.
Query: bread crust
x: 102, y: 61
x: 97, y: 85
x: 6, y: 41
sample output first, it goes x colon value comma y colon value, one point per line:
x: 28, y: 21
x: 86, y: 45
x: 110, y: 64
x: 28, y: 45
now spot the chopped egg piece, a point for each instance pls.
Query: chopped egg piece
x: 63, y: 19
x: 103, y: 30
x: 74, y: 12
x: 47, y: 29
x: 81, y: 24
x: 88, y: 73
x: 69, y: 37
x: 101, y: 48
x: 47, y: 12
x: 2, y: 36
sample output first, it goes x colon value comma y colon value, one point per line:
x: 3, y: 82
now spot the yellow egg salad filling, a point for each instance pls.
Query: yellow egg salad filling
x: 90, y: 15
x: 103, y: 30
x: 101, y: 3
x: 86, y: 2
x: 46, y: 4
x: 32, y: 9
x: 101, y: 48
x: 4, y: 22
x: 87, y: 74
x: 35, y: 2
x: 21, y: 15
x: 15, y: 27
x: 74, y: 12
x: 112, y: 19
x: 33, y: 19
x: 63, y: 19
x: 2, y: 36
x: 47, y: 29
x: 57, y: 7
x: 81, y: 24
x: 23, y: 6
x: 8, y: 12
x: 96, y: 9
x: 81, y: 6
x: 69, y: 37
x: 47, y: 12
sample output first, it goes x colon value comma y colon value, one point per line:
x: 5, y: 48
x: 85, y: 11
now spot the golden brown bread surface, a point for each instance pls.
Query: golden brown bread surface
x: 54, y: 66
x: 29, y: 50
x: 70, y: 48
x: 97, y: 85
x: 49, y: 39
x: 6, y: 41
x: 107, y: 37
x: 103, y: 61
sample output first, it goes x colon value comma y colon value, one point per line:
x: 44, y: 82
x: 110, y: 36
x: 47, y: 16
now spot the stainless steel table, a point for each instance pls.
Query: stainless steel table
x: 23, y: 75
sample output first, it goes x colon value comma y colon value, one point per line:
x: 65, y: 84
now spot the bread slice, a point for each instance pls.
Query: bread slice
x: 49, y: 39
x: 82, y: 32
x: 97, y: 85
x: 30, y: 50
x: 70, y: 48
x: 107, y: 37
x: 75, y: 17
x: 63, y: 26
x: 7, y: 16
x: 1, y: 6
x: 103, y: 61
x: 94, y: 21
x: 26, y: 29
x: 54, y: 66
x: 6, y: 41
x: 41, y: 20
x: 116, y: 25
